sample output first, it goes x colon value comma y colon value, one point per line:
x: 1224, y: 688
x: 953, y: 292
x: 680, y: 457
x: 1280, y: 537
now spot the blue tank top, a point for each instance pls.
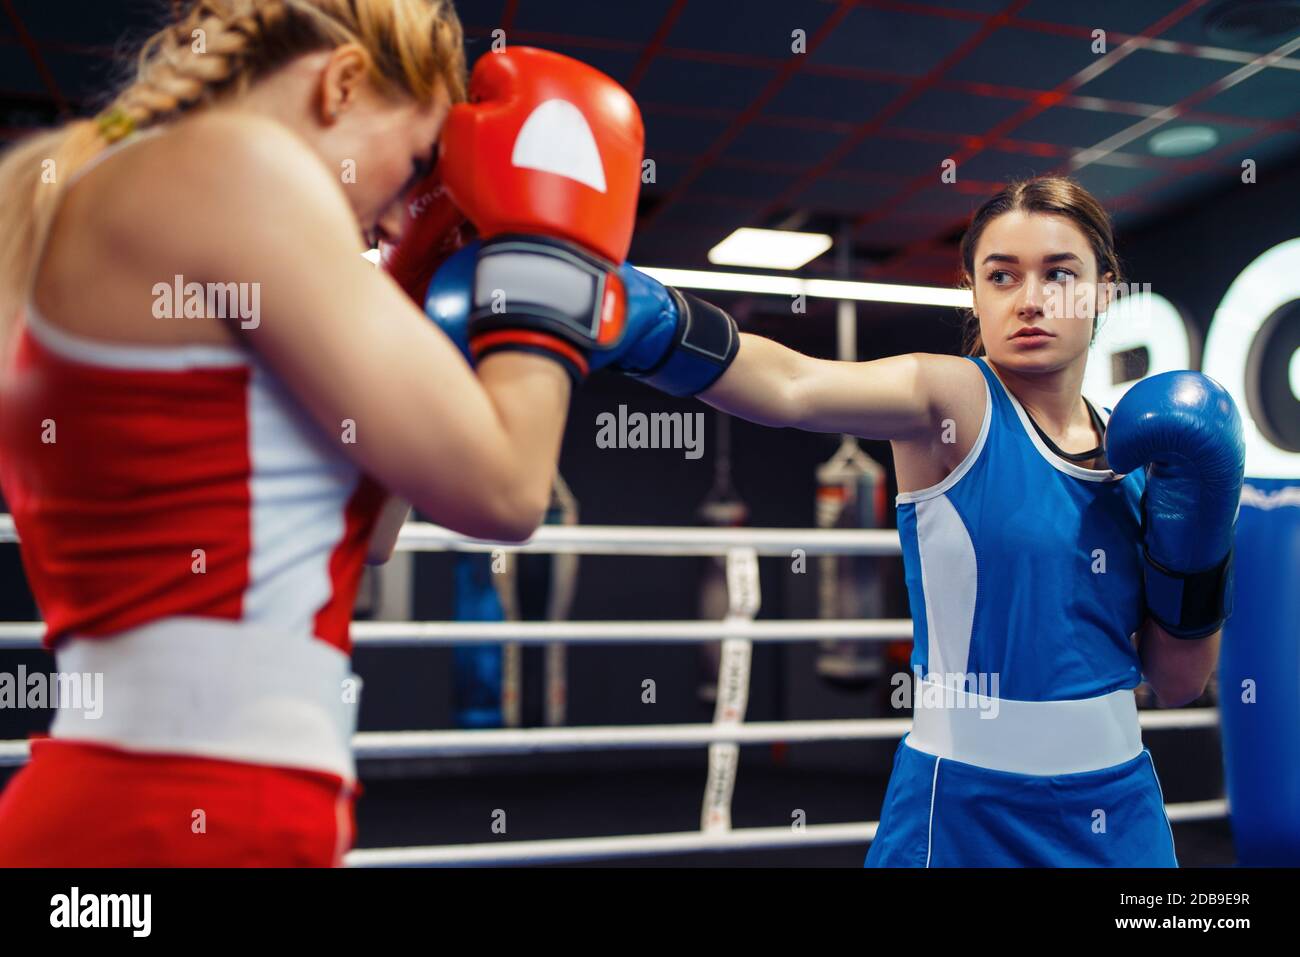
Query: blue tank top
x: 1024, y: 566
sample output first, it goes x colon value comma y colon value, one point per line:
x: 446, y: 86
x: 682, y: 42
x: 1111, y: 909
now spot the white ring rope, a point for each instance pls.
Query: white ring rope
x: 602, y: 848
x: 630, y: 540
x: 372, y: 745
x: 639, y: 540
x: 417, y: 634
x: 598, y: 848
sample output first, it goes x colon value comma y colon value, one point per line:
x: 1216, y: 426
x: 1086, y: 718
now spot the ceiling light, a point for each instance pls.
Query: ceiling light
x: 769, y: 248
x: 1183, y: 141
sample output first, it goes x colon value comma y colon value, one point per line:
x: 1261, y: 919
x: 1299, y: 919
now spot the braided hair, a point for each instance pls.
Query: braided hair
x: 216, y: 49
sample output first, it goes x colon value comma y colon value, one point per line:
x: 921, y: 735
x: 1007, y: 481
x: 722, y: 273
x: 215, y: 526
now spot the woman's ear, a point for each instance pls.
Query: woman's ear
x: 345, y: 72
x: 1104, y: 287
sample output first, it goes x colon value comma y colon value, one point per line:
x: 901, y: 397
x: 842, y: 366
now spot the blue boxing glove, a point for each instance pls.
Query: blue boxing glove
x: 674, y: 341
x: 671, y: 340
x: 1185, y: 429
x: 449, y: 298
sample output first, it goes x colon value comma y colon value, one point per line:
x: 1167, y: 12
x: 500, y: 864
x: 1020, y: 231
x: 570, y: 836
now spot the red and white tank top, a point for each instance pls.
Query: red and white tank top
x: 147, y: 482
x: 194, y: 542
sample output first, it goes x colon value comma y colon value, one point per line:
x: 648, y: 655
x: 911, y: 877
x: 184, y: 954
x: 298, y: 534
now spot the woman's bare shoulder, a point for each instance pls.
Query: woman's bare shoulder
x: 215, y: 175
x: 951, y: 382
x: 955, y: 390
x: 225, y: 146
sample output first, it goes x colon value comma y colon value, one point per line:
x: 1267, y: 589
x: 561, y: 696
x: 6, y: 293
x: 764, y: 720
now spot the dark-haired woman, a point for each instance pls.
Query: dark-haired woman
x: 1055, y: 555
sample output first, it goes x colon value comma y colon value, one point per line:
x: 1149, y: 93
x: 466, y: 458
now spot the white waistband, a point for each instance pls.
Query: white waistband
x: 1025, y: 737
x: 217, y: 689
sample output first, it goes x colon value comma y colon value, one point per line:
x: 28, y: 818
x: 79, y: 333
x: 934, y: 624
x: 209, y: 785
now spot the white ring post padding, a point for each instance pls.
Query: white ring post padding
x: 369, y: 745
x: 744, y: 598
x: 683, y: 842
x: 415, y: 634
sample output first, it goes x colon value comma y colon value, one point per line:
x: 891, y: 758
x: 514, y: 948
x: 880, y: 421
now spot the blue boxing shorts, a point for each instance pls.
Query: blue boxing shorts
x: 1025, y: 795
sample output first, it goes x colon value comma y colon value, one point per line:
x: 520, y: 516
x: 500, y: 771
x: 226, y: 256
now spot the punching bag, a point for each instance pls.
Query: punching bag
x: 1253, y: 349
x: 1259, y: 677
x: 850, y: 494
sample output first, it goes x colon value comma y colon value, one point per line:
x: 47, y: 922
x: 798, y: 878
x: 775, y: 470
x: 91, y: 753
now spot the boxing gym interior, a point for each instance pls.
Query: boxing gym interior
x: 696, y: 660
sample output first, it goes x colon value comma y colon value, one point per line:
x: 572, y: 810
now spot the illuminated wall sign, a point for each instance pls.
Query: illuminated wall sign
x: 1144, y: 322
x: 1252, y: 348
x: 1237, y: 354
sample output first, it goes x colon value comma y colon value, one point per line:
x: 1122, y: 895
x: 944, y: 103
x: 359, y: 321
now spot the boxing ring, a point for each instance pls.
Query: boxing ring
x: 738, y: 631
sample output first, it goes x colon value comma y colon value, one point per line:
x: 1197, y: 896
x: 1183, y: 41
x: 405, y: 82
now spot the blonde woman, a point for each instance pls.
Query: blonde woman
x: 196, y: 488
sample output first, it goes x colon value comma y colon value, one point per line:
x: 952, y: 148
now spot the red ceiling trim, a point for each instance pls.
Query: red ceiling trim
x: 1088, y: 73
x: 1001, y: 129
x: 1140, y: 196
x: 897, y: 105
x: 769, y: 90
x: 656, y: 44
x: 42, y: 68
x: 1135, y: 199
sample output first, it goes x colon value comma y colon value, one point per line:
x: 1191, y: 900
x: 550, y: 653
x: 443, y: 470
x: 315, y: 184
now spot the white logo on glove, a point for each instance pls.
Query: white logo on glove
x: 556, y: 139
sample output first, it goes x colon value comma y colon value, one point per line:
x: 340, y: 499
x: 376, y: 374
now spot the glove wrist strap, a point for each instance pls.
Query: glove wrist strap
x: 544, y: 296
x: 704, y: 345
x: 1188, y: 605
x: 573, y: 361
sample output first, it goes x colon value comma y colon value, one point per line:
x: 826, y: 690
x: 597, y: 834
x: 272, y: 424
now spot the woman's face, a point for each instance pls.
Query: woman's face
x: 383, y: 148
x: 1036, y: 291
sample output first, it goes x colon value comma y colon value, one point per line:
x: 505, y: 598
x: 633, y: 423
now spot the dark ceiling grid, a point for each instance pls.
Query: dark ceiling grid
x: 974, y: 88
x: 655, y: 45
x: 914, y: 88
x: 1060, y: 96
x: 747, y: 137
x: 1136, y: 199
x: 1029, y: 146
x: 1178, y: 109
x: 995, y: 91
x: 1075, y: 30
x: 1041, y: 103
x: 770, y: 89
x: 1200, y: 164
x: 872, y: 126
x: 33, y: 51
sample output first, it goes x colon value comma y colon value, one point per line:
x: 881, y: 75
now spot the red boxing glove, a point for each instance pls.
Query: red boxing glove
x: 546, y: 161
x: 547, y: 146
x: 434, y: 230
